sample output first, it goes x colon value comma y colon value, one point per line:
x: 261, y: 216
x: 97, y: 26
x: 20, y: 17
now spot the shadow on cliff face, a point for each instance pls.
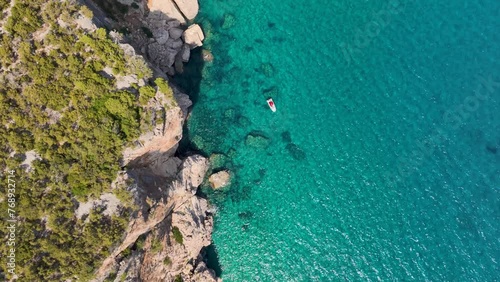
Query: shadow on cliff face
x: 189, y: 82
x: 212, y: 259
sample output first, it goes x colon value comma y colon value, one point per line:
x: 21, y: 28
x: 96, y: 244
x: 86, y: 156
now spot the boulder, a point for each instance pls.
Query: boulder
x: 175, y: 33
x: 185, y: 53
x: 168, y: 8
x: 193, y: 36
x: 175, y: 44
x: 189, y: 8
x: 220, y: 179
x: 172, y: 24
x: 161, y: 35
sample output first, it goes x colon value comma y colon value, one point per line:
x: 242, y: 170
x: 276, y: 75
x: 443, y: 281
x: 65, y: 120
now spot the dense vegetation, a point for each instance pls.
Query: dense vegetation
x: 59, y: 100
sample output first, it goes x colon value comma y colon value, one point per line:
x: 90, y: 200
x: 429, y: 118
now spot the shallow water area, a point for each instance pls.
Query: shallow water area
x: 382, y: 160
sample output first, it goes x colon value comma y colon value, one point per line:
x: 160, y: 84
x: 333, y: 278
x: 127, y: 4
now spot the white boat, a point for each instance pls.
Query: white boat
x: 271, y: 104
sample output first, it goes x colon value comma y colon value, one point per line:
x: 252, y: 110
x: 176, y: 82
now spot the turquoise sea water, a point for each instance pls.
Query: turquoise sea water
x: 382, y: 161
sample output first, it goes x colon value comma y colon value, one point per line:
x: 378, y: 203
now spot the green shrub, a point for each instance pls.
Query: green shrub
x: 177, y: 235
x: 139, y: 244
x: 167, y: 261
x: 156, y: 245
x: 86, y: 12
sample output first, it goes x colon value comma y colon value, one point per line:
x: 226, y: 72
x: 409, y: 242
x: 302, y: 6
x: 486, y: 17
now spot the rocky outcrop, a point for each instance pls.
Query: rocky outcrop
x: 220, y: 179
x: 171, y: 225
x: 189, y: 8
x: 168, y: 8
x: 193, y: 36
x: 176, y: 224
x: 180, y: 10
x: 156, y: 33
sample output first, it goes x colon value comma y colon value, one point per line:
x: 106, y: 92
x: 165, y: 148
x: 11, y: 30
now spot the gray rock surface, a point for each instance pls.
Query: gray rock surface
x: 185, y: 53
x: 175, y: 32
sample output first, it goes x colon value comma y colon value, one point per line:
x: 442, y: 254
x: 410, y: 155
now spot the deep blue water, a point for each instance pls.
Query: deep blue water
x: 383, y: 159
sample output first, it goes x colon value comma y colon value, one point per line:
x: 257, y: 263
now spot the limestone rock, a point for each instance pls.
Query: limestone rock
x: 220, y: 179
x: 125, y: 81
x: 189, y: 8
x: 191, y: 175
x: 193, y: 223
x: 203, y: 273
x: 166, y: 7
x: 193, y: 36
x: 157, y: 145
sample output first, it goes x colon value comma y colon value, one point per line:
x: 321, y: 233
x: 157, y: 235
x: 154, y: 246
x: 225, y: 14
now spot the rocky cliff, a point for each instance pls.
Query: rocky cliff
x: 171, y: 226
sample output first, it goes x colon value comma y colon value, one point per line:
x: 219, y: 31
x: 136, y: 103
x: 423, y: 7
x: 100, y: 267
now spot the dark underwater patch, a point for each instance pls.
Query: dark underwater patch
x: 296, y: 152
x: 245, y: 215
x: 492, y: 149
x: 238, y: 194
x: 286, y: 137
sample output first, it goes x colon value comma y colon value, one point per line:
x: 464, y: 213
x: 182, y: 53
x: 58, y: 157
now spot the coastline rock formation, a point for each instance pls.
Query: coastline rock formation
x: 160, y: 30
x: 180, y: 10
x: 220, y: 179
x: 171, y: 226
x: 193, y: 36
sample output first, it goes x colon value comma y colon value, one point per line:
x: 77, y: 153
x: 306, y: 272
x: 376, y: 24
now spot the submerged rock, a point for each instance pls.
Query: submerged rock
x: 257, y: 140
x: 245, y: 215
x: 217, y: 161
x: 267, y: 69
x: 207, y: 55
x: 286, y: 137
x: 296, y: 152
x: 229, y: 21
x: 220, y: 179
